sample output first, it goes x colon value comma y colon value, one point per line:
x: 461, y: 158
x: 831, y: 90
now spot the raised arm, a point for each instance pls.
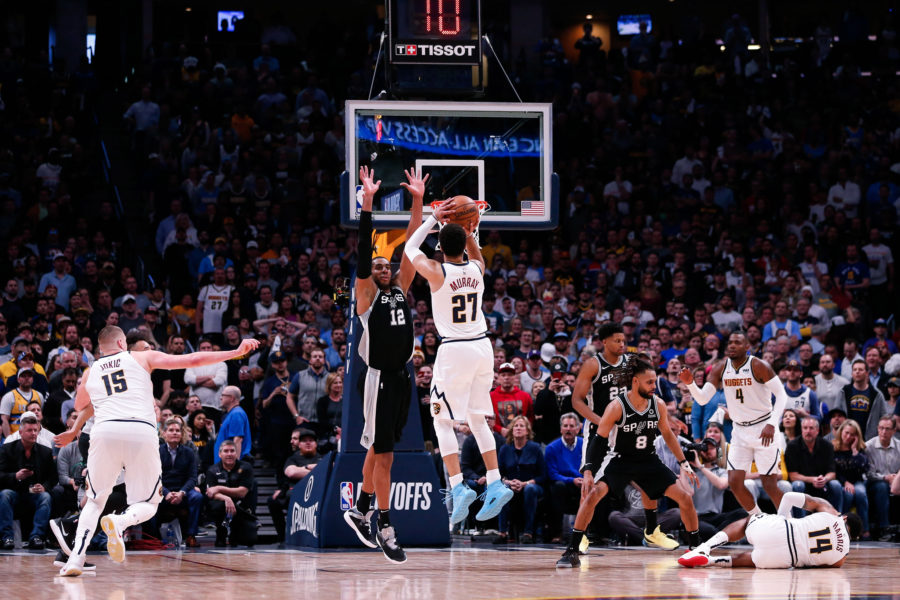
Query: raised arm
x: 428, y: 268
x: 416, y: 188
x: 365, y: 287
x: 700, y: 395
x: 472, y: 247
x: 152, y: 359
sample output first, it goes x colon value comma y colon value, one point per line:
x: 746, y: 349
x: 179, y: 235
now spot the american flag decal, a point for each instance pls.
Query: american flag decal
x: 533, y: 208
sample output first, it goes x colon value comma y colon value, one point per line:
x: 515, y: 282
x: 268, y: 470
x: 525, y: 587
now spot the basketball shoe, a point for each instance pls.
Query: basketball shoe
x: 115, y: 545
x: 60, y: 561
x: 495, y: 497
x: 387, y: 539
x: 698, y: 557
x: 569, y: 559
x: 659, y: 539
x: 361, y: 525
x: 463, y: 497
x: 64, y: 532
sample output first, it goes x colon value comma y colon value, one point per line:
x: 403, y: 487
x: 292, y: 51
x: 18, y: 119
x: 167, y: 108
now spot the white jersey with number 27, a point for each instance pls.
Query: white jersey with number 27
x: 457, y: 303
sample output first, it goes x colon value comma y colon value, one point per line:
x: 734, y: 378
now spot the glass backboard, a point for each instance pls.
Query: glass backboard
x: 496, y: 152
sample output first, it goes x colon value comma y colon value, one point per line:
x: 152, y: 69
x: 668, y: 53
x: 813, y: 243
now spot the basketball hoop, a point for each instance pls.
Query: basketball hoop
x: 483, y: 207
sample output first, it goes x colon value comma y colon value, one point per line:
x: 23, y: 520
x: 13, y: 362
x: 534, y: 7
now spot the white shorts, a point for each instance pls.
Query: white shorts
x: 746, y: 448
x: 133, y: 446
x: 462, y: 381
x: 770, y: 537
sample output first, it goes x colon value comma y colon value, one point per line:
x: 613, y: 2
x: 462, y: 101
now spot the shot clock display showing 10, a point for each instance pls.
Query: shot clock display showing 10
x: 446, y: 32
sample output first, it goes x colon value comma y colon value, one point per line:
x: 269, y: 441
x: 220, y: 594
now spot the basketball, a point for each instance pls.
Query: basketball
x: 464, y: 210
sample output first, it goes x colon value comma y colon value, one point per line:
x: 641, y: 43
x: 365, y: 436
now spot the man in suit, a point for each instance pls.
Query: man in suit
x: 179, y: 478
x: 27, y: 474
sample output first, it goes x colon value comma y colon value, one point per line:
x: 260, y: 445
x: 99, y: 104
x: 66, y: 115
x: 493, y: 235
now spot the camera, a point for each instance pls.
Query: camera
x: 697, y: 448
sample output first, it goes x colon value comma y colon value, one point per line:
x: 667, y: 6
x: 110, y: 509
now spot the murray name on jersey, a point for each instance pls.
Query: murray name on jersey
x: 464, y: 282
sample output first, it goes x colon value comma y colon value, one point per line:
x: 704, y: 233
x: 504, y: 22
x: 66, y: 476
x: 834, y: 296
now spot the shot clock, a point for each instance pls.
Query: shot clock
x: 443, y: 32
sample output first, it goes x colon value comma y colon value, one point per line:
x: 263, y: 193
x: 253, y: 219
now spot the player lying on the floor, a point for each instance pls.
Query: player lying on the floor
x: 820, y: 539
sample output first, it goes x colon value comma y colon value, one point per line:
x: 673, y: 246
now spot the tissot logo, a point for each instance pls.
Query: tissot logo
x: 443, y: 52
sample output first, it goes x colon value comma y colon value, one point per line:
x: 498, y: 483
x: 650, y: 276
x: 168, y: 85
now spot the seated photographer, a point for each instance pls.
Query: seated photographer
x: 628, y: 524
x: 709, y: 495
x: 229, y: 503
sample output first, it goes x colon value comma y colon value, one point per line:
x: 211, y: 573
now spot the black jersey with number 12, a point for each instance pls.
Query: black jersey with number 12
x: 387, y: 339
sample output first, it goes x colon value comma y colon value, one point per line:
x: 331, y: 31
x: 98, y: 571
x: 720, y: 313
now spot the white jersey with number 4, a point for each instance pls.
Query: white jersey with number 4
x: 120, y: 390
x: 457, y: 303
x: 747, y: 399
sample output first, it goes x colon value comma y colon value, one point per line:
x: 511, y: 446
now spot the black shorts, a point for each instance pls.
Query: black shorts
x: 391, y: 408
x: 595, y: 449
x: 649, y: 474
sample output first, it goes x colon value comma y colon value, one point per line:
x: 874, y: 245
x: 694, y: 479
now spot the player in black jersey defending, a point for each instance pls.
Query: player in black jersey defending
x: 632, y: 423
x: 600, y: 381
x: 386, y: 345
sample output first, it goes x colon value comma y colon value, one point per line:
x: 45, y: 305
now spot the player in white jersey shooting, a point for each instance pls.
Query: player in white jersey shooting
x: 464, y: 366
x: 821, y: 539
x: 749, y: 385
x: 117, y: 390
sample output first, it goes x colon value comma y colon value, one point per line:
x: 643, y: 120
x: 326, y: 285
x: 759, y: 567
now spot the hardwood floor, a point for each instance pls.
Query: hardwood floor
x: 460, y: 573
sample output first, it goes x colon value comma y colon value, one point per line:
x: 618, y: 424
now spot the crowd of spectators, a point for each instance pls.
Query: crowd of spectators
x: 702, y: 193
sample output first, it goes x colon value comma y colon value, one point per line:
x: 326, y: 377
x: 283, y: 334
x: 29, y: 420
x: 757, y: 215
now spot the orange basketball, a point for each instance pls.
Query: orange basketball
x: 464, y: 211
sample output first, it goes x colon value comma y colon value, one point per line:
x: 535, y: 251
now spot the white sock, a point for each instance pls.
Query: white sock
x: 720, y: 561
x: 87, y: 524
x: 455, y: 480
x: 136, y: 514
x: 754, y: 511
x: 715, y: 541
x: 492, y: 475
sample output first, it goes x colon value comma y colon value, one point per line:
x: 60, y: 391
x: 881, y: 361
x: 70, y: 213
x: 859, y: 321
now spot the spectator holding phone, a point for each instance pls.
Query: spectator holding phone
x: 275, y: 419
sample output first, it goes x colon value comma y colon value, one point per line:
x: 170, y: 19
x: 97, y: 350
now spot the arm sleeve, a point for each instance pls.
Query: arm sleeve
x: 702, y: 395
x: 775, y: 386
x: 790, y: 501
x: 412, y: 246
x: 364, y: 264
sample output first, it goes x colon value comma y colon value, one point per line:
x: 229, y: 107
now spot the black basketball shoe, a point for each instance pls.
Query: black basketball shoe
x: 569, y: 559
x: 64, y: 532
x: 387, y: 539
x: 361, y: 525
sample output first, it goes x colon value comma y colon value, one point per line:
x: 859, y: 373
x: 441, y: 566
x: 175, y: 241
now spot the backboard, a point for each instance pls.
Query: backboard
x: 497, y: 152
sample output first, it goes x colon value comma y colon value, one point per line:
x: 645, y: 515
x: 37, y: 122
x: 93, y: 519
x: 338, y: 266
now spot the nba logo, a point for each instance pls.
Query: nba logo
x: 346, y: 495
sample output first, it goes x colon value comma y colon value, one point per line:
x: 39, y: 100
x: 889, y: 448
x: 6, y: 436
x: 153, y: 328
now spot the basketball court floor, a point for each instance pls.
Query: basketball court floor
x: 460, y: 573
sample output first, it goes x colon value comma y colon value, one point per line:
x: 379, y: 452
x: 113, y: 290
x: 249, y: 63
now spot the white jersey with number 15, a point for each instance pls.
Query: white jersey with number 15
x: 120, y: 390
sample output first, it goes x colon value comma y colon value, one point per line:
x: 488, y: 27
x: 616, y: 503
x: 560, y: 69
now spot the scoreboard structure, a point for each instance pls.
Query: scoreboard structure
x: 437, y: 32
x: 434, y: 48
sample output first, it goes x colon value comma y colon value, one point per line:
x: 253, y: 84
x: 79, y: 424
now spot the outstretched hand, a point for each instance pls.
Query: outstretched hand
x: 247, y: 346
x: 686, y: 377
x: 416, y: 185
x: 370, y: 186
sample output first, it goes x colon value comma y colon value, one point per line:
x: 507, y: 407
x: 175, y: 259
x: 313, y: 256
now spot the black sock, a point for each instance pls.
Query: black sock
x: 693, y: 538
x: 650, y: 516
x: 362, y: 504
x: 575, y: 542
x: 384, y: 519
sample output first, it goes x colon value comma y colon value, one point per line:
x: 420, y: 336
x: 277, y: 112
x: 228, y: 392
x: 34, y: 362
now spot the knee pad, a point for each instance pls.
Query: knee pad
x: 482, y: 433
x: 446, y: 437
